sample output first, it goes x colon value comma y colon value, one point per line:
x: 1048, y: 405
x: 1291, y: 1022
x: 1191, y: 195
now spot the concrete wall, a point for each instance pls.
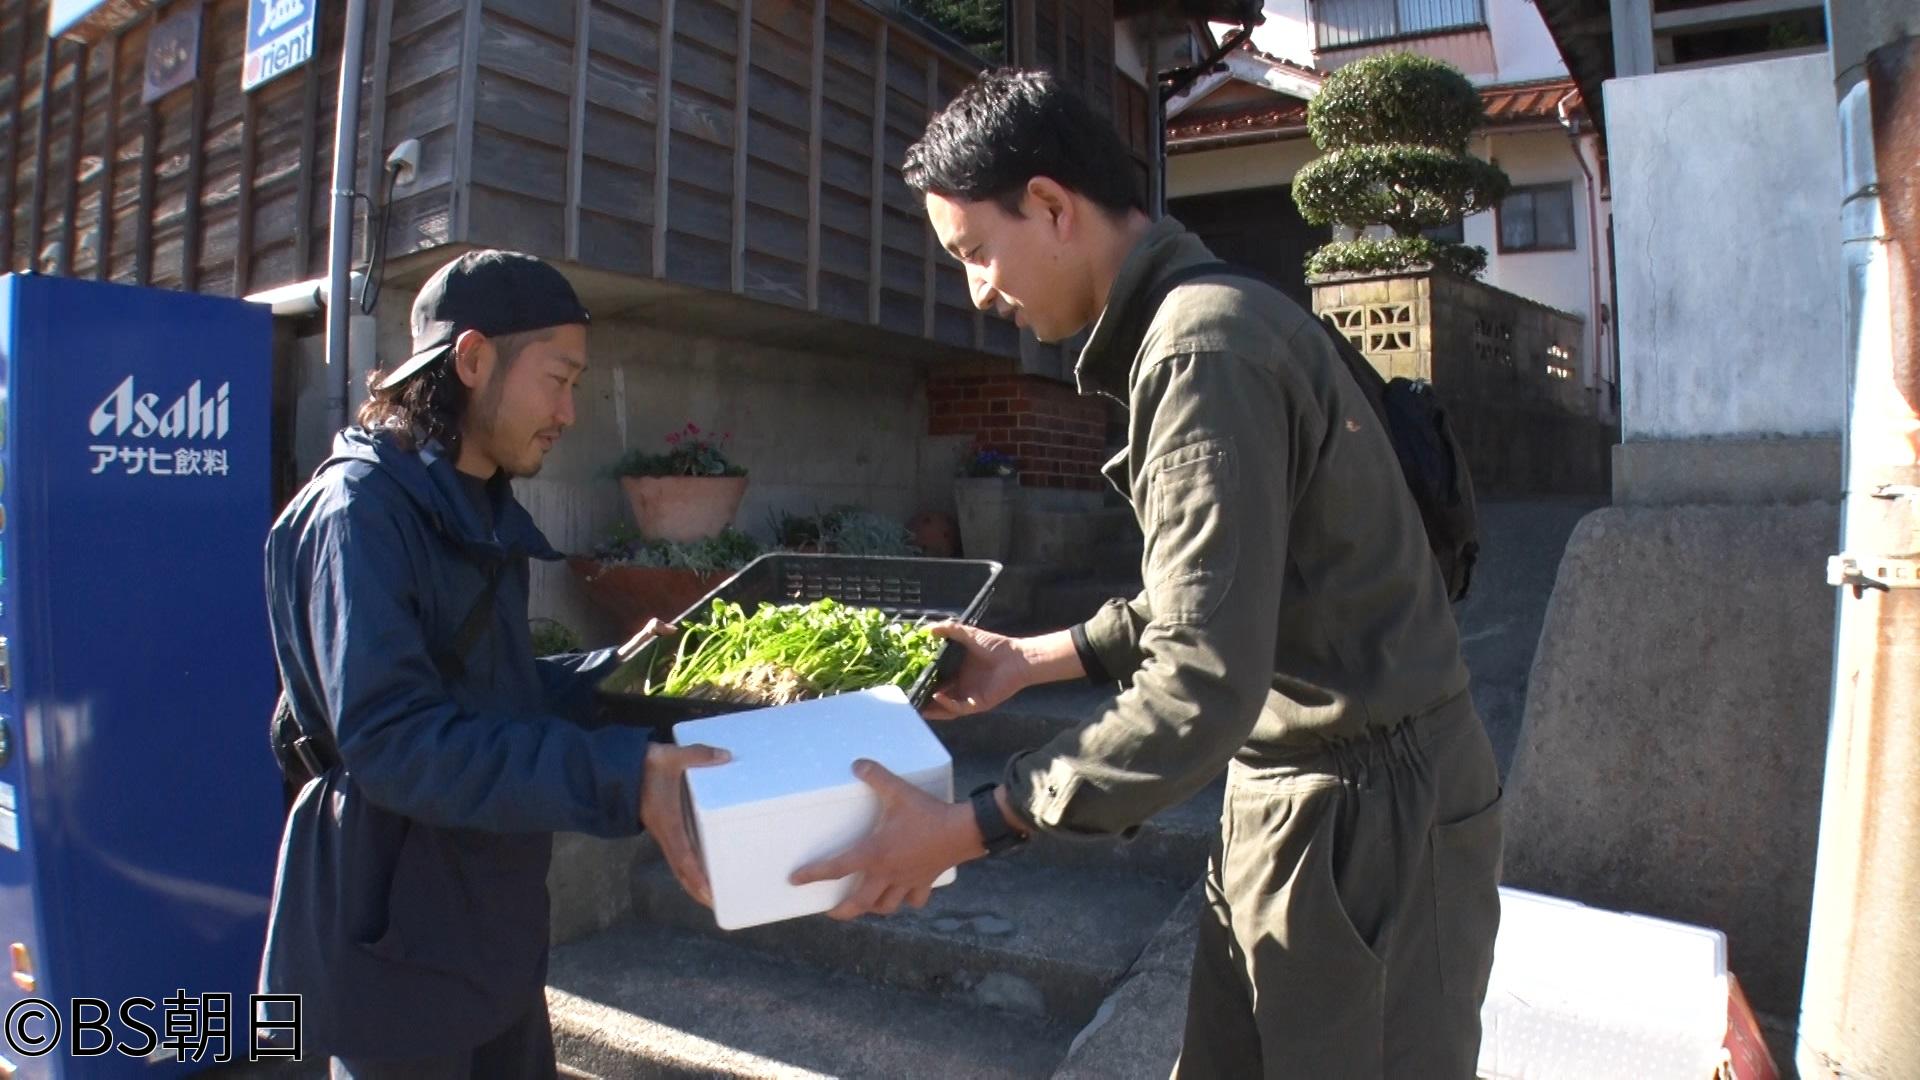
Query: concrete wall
x: 814, y: 431
x: 1524, y: 430
x: 1725, y: 188
x: 1670, y: 759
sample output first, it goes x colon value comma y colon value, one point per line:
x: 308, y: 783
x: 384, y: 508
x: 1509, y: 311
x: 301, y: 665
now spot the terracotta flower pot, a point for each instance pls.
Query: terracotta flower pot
x: 634, y: 594
x: 936, y: 534
x: 682, y: 509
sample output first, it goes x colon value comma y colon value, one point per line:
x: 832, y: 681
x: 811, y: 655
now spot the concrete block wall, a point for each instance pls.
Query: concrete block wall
x: 1497, y: 360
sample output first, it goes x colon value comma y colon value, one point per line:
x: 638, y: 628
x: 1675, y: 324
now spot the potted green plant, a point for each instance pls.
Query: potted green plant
x: 983, y: 495
x: 635, y: 579
x: 690, y: 492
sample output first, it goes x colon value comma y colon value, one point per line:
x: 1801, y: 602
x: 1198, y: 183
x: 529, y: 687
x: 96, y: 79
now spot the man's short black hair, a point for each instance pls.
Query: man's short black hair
x: 1010, y: 126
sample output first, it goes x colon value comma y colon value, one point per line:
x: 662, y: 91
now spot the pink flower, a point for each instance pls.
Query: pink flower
x: 692, y: 430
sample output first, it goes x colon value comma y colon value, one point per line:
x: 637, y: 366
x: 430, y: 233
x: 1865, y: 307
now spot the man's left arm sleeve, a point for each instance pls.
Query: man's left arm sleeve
x: 1231, y: 443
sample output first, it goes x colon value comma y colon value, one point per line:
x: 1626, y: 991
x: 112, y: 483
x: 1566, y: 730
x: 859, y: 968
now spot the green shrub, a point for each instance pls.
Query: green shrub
x: 1397, y: 254
x: 1395, y: 98
x: 552, y: 637
x: 1393, y: 130
x: 1407, y: 188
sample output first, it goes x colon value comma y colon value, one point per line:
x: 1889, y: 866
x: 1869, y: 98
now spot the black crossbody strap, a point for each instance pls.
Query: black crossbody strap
x: 1371, y: 383
x: 298, y: 748
x: 453, y: 661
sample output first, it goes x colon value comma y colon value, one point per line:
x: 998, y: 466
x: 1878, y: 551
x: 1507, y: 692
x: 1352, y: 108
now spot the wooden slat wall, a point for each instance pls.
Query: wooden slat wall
x: 540, y: 121
x: 617, y: 151
x: 780, y: 145
x: 208, y: 188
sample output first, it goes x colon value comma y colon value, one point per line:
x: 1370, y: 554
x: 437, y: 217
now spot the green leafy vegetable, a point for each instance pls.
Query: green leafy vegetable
x: 789, y: 652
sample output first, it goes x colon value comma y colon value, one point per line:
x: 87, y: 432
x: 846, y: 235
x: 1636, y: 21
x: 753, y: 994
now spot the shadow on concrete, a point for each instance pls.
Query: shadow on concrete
x: 1521, y: 544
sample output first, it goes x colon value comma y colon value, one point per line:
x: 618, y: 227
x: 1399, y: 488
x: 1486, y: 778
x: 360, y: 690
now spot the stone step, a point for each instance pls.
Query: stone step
x: 1172, y: 846
x: 1015, y: 933
x: 648, y: 1001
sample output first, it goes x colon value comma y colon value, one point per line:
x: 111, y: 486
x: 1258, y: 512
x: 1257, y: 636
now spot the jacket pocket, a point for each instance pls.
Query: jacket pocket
x: 1192, y: 531
x: 1466, y: 897
x: 465, y: 905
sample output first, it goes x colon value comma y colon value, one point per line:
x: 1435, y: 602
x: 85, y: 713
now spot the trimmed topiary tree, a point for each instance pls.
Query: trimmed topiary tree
x: 1393, y: 130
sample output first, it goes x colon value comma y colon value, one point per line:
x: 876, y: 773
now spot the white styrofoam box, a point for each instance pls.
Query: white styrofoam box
x: 789, y: 796
x: 1581, y: 993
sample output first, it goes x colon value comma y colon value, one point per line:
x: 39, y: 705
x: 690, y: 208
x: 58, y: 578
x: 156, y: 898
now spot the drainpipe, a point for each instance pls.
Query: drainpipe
x: 346, y: 137
x: 1862, y: 991
x: 1593, y: 233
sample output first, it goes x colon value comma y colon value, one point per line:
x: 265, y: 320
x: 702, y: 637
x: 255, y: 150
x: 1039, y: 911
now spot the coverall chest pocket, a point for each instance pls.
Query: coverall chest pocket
x: 1193, y: 543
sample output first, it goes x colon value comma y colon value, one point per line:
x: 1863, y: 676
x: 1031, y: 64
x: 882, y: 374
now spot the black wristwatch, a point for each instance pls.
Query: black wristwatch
x: 995, y: 834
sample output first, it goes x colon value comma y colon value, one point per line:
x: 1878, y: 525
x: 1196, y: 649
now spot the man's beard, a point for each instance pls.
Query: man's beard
x: 486, y: 425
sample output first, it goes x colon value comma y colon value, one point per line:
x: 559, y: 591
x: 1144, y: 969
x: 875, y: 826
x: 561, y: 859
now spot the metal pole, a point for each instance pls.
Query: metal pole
x: 346, y: 137
x: 1862, y: 991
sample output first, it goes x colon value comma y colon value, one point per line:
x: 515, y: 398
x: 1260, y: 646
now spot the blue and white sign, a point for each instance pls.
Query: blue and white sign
x: 280, y: 37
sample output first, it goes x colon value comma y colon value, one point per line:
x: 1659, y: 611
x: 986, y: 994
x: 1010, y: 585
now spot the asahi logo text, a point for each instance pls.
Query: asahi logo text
x: 192, y: 415
x: 275, y: 14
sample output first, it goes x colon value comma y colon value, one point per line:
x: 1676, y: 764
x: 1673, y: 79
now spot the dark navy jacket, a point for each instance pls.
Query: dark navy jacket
x: 410, y: 908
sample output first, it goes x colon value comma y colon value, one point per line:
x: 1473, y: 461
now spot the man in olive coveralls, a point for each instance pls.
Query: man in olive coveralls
x: 1294, y: 631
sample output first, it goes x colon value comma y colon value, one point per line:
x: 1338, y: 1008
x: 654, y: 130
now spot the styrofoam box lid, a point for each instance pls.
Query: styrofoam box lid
x: 1579, y: 991
x: 1653, y: 962
x: 791, y: 756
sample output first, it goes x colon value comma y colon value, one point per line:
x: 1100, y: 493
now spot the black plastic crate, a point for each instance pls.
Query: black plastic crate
x: 909, y: 589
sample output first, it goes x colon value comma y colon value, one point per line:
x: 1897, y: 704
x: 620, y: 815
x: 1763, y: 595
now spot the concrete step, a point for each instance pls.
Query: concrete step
x: 1015, y: 934
x: 1172, y: 846
x: 646, y: 1001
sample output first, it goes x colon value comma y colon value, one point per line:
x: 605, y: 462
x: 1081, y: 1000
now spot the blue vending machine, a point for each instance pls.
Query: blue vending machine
x: 140, y: 806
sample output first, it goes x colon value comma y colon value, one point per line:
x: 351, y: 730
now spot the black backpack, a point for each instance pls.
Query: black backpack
x: 1416, y: 423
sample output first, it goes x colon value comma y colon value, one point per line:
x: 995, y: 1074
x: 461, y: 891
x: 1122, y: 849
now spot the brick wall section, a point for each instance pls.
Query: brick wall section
x: 1058, y: 436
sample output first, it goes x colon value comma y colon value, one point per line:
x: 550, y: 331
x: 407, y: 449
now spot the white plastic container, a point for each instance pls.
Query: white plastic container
x: 1581, y: 993
x: 789, y: 796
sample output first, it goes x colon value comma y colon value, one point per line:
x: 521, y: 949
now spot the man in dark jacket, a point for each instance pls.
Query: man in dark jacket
x: 1294, y: 631
x: 410, y: 909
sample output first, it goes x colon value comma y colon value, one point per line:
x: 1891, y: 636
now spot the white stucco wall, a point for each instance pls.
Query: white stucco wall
x: 1726, y: 192
x: 1261, y: 165
x: 1560, y: 279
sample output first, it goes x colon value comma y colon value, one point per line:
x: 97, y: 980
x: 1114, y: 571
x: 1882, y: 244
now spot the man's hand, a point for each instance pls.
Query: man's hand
x: 662, y: 809
x: 994, y: 667
x: 654, y: 630
x: 917, y: 839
